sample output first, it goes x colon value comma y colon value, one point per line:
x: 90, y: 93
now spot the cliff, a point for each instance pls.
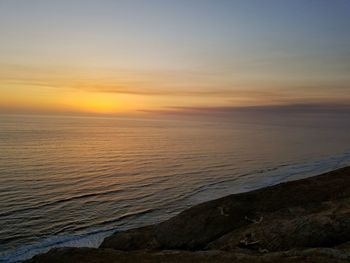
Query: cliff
x: 304, y: 220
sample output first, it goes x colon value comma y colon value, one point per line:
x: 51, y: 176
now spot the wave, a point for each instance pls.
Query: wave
x: 268, y: 177
x: 92, y: 239
x: 297, y: 171
x: 241, y: 183
x: 60, y: 201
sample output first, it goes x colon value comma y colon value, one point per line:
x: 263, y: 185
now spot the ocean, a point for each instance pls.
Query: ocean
x: 71, y: 181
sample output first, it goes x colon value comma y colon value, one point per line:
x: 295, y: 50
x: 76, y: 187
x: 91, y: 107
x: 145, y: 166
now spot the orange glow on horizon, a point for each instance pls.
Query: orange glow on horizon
x: 95, y: 102
x: 97, y: 91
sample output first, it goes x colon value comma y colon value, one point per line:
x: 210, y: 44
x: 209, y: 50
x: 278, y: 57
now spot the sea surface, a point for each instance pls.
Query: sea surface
x: 71, y: 181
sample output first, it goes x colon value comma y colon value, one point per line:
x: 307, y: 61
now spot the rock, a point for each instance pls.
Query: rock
x: 90, y: 255
x: 132, y: 239
x: 198, y: 226
x: 325, y: 228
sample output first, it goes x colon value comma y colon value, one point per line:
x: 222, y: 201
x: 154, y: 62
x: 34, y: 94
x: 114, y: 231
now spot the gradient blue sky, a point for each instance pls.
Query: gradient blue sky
x: 113, y: 56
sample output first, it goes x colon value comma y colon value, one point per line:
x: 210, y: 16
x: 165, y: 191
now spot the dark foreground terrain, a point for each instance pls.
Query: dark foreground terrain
x: 302, y: 221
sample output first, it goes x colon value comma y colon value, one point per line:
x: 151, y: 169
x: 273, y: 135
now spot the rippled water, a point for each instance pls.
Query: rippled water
x: 69, y: 181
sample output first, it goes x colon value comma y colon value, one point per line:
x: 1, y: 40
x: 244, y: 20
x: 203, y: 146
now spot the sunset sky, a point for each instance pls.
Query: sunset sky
x: 111, y: 56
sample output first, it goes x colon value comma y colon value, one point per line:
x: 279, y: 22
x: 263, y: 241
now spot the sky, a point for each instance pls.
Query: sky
x: 131, y: 56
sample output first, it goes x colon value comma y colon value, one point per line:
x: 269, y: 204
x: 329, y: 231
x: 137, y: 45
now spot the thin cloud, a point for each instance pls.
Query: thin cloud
x: 317, y: 108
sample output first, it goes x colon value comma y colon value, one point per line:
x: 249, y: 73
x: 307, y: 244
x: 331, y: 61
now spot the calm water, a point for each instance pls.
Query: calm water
x: 68, y: 181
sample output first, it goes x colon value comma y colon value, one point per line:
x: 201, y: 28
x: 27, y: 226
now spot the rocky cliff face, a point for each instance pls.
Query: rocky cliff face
x: 307, y: 219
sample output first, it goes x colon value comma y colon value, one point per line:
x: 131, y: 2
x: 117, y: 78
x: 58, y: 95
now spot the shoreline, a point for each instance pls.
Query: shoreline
x: 93, y: 239
x: 303, y: 218
x: 269, y: 177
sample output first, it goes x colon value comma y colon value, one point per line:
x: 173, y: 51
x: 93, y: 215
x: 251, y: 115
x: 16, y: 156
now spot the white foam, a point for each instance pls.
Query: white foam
x: 93, y: 239
x: 269, y: 177
x: 296, y: 171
